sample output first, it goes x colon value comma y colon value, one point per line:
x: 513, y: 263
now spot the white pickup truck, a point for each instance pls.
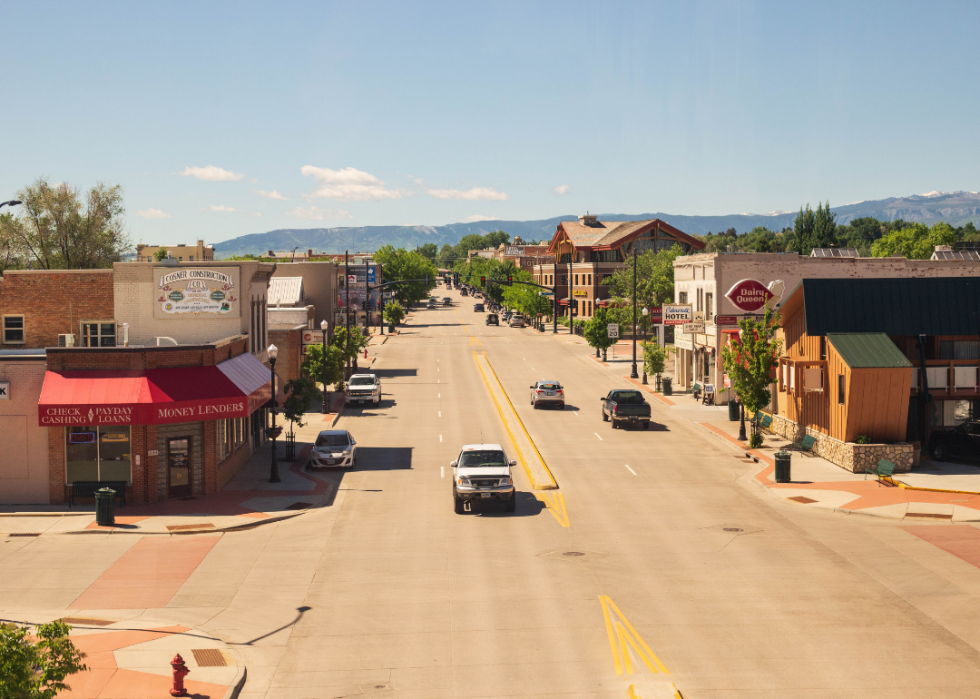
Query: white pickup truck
x: 362, y: 388
x: 482, y: 472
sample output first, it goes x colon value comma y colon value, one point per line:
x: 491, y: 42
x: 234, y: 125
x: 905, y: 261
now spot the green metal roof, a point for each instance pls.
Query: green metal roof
x: 868, y: 351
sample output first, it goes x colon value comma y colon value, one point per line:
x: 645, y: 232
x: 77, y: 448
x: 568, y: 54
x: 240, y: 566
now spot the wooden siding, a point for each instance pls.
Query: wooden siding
x: 837, y: 414
x: 877, y: 404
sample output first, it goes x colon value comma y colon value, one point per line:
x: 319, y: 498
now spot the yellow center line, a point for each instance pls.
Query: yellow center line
x: 622, y: 637
x: 557, y: 507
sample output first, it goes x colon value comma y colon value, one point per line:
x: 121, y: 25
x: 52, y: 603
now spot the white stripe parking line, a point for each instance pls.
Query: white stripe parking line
x: 440, y: 438
x: 597, y: 435
x: 442, y: 472
x: 629, y: 469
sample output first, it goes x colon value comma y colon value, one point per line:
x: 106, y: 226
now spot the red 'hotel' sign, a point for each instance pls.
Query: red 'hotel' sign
x: 749, y: 295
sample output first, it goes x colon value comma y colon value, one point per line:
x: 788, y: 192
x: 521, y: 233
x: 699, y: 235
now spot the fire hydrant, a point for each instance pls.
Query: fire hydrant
x: 365, y: 352
x: 180, y: 671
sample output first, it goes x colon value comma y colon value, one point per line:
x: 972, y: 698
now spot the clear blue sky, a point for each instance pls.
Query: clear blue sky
x: 368, y: 113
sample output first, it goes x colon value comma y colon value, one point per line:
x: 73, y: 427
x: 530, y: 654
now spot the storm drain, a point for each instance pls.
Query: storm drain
x: 300, y: 506
x: 78, y: 621
x: 802, y: 499
x: 732, y: 529
x: 209, y: 657
x: 24, y: 534
x: 185, y: 527
x: 928, y: 515
x: 573, y: 553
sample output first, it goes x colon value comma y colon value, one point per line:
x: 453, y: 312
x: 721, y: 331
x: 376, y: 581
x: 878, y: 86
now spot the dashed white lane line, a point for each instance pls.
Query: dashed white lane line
x: 629, y: 469
x: 440, y: 438
x: 442, y: 472
x: 440, y: 413
x: 575, y: 413
x: 438, y: 395
x: 597, y: 435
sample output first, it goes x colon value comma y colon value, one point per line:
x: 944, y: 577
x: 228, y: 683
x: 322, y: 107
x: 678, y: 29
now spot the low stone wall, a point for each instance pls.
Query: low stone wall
x: 857, y: 458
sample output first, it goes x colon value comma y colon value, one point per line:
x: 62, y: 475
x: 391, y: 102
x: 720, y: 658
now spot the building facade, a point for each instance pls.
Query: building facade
x: 179, y: 252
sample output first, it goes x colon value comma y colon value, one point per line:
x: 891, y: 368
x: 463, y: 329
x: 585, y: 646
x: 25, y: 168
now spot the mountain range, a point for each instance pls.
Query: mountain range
x: 956, y: 208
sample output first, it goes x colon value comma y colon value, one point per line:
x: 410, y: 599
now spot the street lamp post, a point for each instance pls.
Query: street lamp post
x: 381, y: 299
x: 347, y: 308
x: 554, y: 295
x: 274, y: 472
x: 12, y: 202
x: 323, y: 327
x: 646, y: 312
x: 633, y: 372
x: 741, y: 405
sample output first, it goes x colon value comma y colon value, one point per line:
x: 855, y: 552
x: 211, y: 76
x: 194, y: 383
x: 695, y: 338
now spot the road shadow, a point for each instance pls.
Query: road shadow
x: 383, y: 458
x: 654, y: 427
x: 527, y: 506
x: 394, y: 373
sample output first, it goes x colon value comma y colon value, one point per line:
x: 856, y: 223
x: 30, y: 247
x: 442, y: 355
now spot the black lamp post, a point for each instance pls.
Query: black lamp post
x: 274, y: 472
x: 646, y: 312
x: 323, y: 327
x: 633, y: 372
x: 741, y: 407
x: 12, y: 202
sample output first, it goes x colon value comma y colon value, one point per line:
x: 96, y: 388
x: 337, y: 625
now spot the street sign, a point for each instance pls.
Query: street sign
x: 726, y: 320
x: 677, y: 313
x: 613, y: 330
x: 692, y: 328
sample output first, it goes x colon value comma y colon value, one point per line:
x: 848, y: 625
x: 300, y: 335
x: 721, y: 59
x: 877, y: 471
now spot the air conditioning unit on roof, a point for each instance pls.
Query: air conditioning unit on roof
x: 66, y: 340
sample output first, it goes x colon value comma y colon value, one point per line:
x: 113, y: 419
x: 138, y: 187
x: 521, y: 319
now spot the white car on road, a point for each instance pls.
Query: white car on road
x: 482, y: 472
x: 363, y: 388
x: 334, y: 448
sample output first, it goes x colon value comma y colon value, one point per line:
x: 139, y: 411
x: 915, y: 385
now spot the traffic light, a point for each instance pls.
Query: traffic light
x: 510, y: 280
x: 483, y: 281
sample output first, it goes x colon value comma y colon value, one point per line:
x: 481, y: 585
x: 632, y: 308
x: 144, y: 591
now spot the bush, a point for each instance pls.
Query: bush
x: 35, y: 666
x: 755, y: 440
x: 863, y: 439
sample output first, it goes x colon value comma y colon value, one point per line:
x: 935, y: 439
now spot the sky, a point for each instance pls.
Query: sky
x: 221, y: 119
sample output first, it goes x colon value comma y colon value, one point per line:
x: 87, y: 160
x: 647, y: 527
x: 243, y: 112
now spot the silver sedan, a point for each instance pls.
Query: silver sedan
x: 548, y: 393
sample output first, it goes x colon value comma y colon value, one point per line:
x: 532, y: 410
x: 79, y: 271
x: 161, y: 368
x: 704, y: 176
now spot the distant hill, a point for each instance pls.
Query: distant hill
x: 955, y: 208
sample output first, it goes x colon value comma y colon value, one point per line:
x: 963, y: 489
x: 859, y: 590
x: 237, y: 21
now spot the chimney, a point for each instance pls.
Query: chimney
x: 590, y: 220
x: 943, y: 248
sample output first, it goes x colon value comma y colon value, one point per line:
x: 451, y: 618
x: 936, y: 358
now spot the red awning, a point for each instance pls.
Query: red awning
x: 154, y: 396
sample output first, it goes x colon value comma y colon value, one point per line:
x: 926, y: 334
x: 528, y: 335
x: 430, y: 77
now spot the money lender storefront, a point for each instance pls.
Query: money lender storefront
x: 165, y: 431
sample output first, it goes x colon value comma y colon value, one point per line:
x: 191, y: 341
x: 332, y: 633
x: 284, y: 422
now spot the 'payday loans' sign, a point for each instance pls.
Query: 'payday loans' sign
x: 213, y: 292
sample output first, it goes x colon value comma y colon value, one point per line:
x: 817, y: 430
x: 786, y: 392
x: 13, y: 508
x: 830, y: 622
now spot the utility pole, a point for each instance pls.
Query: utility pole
x: 381, y: 299
x: 347, y: 308
x: 554, y: 295
x: 633, y: 373
x: 367, y: 296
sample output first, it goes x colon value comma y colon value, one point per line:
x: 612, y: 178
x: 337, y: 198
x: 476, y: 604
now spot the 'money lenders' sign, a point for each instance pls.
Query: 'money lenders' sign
x: 749, y: 295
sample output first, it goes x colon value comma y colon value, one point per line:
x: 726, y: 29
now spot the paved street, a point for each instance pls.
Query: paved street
x: 656, y: 566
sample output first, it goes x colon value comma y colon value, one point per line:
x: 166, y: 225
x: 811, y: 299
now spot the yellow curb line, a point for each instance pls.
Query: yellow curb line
x: 904, y: 486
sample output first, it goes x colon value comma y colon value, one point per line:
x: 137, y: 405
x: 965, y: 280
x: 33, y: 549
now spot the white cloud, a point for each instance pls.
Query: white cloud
x: 475, y: 194
x: 270, y: 195
x: 255, y: 214
x: 315, y: 213
x: 478, y: 217
x: 348, y: 184
x: 562, y: 189
x: 211, y: 173
x: 219, y: 207
x: 152, y: 213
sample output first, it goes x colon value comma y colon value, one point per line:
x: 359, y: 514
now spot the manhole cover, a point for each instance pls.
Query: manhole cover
x: 731, y: 529
x: 208, y: 657
x: 573, y: 553
x: 24, y: 534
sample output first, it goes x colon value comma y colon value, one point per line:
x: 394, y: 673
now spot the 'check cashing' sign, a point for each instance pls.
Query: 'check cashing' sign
x: 677, y: 313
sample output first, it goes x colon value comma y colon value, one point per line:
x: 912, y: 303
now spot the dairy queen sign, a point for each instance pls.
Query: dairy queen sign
x: 749, y: 295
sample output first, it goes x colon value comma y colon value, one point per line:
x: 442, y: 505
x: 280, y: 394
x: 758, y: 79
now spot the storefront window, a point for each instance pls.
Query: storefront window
x: 950, y: 413
x: 98, y: 454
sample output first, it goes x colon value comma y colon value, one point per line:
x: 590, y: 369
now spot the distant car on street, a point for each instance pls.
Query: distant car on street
x: 478, y: 307
x: 482, y: 472
x: 463, y: 292
x: 492, y: 319
x: 516, y: 321
x: 622, y: 405
x: 362, y: 388
x: 334, y: 448
x: 431, y: 303
x: 547, y: 393
x: 446, y: 301
x: 962, y: 441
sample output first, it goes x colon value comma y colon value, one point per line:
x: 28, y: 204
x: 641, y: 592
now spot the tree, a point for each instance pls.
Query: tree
x: 654, y: 280
x: 160, y: 255
x: 824, y: 227
x: 654, y: 358
x: 299, y: 395
x: 803, y: 227
x: 597, y: 332
x: 526, y: 299
x: 914, y: 241
x: 400, y: 264
x: 10, y: 252
x: 349, y: 351
x: 313, y: 364
x: 750, y: 362
x: 495, y: 239
x: 429, y: 251
x: 394, y: 312
x: 36, y: 667
x: 55, y: 231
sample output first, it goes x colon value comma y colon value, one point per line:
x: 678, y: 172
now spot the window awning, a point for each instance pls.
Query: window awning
x: 154, y: 396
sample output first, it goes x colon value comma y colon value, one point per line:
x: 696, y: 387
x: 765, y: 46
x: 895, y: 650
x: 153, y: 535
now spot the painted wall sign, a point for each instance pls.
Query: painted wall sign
x: 726, y: 320
x: 213, y: 292
x: 4, y: 390
x: 677, y: 313
x: 749, y: 295
x: 312, y: 337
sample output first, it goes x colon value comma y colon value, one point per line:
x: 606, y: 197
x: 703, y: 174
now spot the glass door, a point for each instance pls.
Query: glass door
x: 179, y: 466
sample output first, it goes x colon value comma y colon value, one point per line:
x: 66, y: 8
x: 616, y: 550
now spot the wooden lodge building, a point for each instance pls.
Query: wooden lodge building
x: 589, y: 250
x: 886, y: 359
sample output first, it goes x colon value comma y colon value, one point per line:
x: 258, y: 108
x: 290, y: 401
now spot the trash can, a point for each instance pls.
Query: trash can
x: 105, y: 507
x: 667, y: 383
x: 782, y: 466
x: 733, y: 410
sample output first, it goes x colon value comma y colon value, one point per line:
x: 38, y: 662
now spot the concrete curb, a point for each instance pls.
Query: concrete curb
x: 239, y: 683
x: 221, y: 530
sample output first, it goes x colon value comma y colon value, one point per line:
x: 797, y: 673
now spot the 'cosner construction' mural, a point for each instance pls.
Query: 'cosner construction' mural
x: 197, y: 291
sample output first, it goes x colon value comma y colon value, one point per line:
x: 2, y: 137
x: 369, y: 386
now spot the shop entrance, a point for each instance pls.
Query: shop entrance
x: 179, y: 466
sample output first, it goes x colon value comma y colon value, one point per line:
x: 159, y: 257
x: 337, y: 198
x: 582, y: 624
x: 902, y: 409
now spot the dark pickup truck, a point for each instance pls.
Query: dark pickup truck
x: 625, y: 405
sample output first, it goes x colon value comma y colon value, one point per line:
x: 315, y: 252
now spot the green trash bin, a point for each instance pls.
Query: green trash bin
x: 782, y: 467
x: 667, y: 384
x: 733, y: 410
x: 105, y: 501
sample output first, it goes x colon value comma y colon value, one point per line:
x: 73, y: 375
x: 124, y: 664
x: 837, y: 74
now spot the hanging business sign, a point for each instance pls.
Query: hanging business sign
x: 693, y: 328
x: 312, y: 337
x: 181, y: 292
x: 749, y: 295
x: 677, y: 313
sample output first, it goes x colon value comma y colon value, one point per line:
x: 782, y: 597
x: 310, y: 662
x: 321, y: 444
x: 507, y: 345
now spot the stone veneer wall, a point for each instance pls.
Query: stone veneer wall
x: 857, y: 458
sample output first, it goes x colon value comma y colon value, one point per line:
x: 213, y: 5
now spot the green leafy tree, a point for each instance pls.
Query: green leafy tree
x: 597, y: 332
x: 824, y: 227
x: 654, y: 358
x: 349, y: 350
x: 54, y: 229
x: 36, y: 667
x: 915, y: 241
x: 394, y: 312
x: 300, y: 393
x: 160, y: 255
x: 750, y: 362
x: 526, y: 299
x: 400, y: 265
x: 428, y: 251
x: 313, y: 365
x: 654, y: 282
x: 803, y: 227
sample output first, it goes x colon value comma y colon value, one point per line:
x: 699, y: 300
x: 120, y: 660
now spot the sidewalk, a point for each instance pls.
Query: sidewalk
x: 247, y: 500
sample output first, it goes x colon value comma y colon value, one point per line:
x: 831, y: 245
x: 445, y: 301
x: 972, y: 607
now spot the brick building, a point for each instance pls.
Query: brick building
x: 180, y: 252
